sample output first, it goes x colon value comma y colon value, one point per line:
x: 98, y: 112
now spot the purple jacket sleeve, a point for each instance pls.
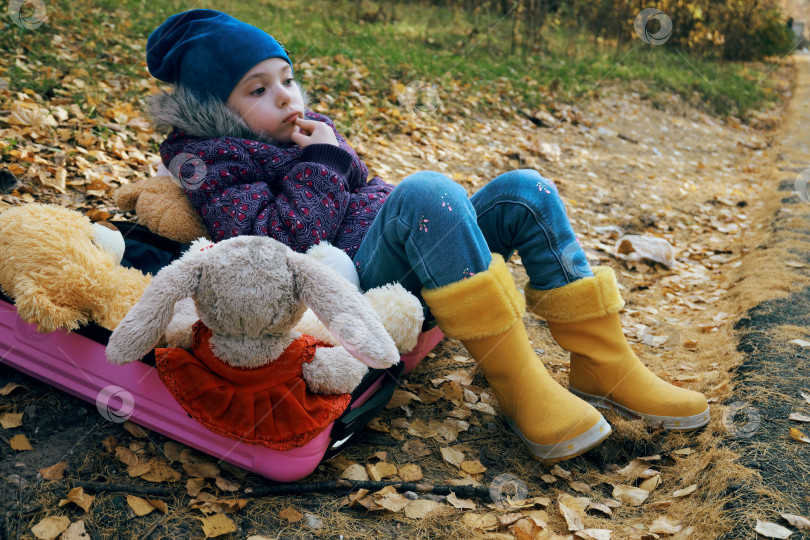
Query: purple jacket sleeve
x: 254, y: 188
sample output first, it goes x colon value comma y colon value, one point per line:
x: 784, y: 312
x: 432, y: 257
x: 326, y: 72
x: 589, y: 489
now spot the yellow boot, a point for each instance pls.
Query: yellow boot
x: 583, y: 317
x: 485, y: 312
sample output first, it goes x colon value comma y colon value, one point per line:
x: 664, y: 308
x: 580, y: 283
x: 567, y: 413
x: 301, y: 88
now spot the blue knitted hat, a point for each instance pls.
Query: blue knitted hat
x: 208, y: 52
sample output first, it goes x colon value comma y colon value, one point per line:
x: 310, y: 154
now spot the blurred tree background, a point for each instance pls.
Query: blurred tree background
x: 729, y: 30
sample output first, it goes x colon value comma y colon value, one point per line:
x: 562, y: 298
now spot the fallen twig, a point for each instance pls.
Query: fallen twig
x: 479, y: 492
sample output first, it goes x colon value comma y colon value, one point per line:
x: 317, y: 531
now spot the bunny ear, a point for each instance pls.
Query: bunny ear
x: 143, y: 325
x: 343, y: 311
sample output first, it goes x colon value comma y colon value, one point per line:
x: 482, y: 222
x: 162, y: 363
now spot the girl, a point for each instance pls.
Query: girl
x: 253, y: 160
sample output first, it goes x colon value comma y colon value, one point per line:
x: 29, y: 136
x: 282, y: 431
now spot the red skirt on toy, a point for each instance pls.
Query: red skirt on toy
x: 269, y: 405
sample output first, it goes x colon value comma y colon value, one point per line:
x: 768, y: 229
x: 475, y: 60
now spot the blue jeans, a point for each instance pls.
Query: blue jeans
x: 429, y: 233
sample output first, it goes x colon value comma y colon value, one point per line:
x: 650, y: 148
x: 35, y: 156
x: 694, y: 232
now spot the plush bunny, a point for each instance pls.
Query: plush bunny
x: 251, y: 291
x: 241, y: 377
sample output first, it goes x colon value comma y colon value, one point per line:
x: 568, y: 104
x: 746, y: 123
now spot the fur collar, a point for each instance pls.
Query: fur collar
x: 205, y: 118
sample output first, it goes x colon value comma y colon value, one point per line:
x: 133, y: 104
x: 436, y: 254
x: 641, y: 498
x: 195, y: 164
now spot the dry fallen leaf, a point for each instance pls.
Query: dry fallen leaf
x: 629, y: 495
x: 217, y: 525
x: 685, y: 491
x: 378, y: 471
x: 482, y: 522
x: 593, y: 534
x: 560, y: 472
x: 420, y: 508
x: 806, y: 395
x: 664, y: 526
x: 416, y: 448
x: 410, y: 472
x: 291, y: 515
x: 194, y: 486
x: 135, y: 430
x: 651, y: 483
x: 141, y: 507
x: 202, y: 470
x: 390, y: 499
x: 355, y: 472
x: 50, y: 527
x: 11, y: 420
x: 473, y: 467
x: 400, y: 398
x: 75, y: 531
x: 572, y: 512
x: 460, y: 503
x: 418, y: 428
x: 78, y: 497
x: 54, y: 472
x: 126, y: 456
x: 772, y: 530
x: 11, y: 387
x: 226, y: 485
x: 801, y: 523
x: 452, y: 456
x: 797, y: 435
x: 20, y: 442
x: 798, y: 417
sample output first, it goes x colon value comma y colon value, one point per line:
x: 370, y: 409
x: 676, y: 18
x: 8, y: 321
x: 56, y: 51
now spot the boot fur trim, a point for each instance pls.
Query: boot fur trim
x: 484, y: 305
x: 584, y: 299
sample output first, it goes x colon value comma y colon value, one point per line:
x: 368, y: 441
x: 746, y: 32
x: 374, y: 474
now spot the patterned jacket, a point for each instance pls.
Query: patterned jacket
x: 243, y: 183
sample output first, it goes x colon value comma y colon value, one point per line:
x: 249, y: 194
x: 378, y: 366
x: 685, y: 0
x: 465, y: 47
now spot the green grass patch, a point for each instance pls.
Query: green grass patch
x: 435, y: 45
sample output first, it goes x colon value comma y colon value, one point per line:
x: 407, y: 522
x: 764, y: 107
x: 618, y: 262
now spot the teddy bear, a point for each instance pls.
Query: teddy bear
x: 248, y: 375
x: 162, y: 207
x: 63, y: 271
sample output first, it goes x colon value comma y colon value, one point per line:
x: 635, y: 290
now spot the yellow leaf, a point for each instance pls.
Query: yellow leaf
x: 217, y: 525
x: 141, y: 507
x: 410, y: 472
x: 685, y: 491
x: 54, y: 472
x: 452, y: 456
x: 420, y: 508
x: 50, y: 527
x: 194, y: 486
x: 460, y: 503
x: 797, y: 435
x: 11, y: 420
x: 202, y: 470
x: 291, y: 515
x: 629, y: 495
x: 473, y: 467
x: 126, y: 456
x: 10, y: 387
x: 20, y: 442
x: 226, y: 485
x: 78, y: 497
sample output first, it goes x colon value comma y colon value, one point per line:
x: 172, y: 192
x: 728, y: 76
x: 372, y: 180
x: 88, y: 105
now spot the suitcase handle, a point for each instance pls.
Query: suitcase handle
x: 353, y: 420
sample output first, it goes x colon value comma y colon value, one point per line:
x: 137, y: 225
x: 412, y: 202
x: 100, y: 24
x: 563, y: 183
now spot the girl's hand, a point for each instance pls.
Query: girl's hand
x: 313, y: 132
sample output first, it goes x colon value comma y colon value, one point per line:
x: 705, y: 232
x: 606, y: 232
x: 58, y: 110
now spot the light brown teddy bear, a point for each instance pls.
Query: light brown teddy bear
x: 63, y: 271
x: 163, y: 208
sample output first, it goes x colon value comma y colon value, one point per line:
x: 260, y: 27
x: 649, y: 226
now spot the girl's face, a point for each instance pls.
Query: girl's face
x: 266, y: 97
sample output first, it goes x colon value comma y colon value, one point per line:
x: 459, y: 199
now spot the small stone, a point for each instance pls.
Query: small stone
x: 30, y: 412
x: 434, y: 497
x: 8, y: 182
x: 313, y: 522
x: 17, y: 479
x: 410, y: 495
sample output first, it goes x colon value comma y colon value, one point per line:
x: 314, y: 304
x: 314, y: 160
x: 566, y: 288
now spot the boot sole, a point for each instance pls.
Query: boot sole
x: 672, y: 423
x: 561, y: 451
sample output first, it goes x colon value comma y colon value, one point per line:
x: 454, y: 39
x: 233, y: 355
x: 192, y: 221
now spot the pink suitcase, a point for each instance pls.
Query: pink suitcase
x: 75, y: 363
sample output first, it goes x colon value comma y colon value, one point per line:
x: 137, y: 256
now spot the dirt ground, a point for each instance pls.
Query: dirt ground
x: 623, y: 165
